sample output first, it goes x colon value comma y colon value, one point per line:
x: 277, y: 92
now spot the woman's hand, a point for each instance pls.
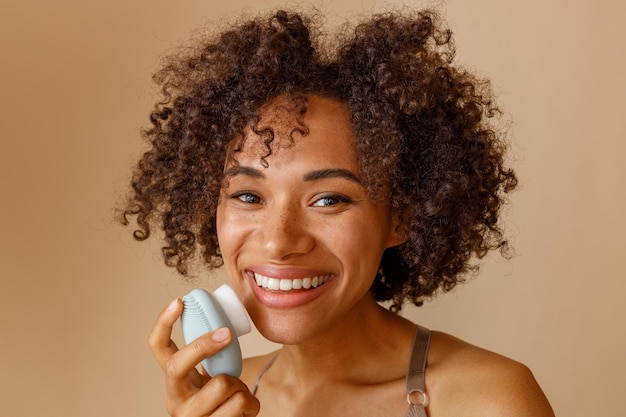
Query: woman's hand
x: 189, y: 393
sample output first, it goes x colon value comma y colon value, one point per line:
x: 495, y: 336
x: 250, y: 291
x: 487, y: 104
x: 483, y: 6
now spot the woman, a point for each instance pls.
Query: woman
x: 327, y: 178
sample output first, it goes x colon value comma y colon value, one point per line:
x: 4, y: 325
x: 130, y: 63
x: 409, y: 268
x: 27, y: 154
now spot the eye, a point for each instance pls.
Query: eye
x: 247, y: 197
x: 331, y: 200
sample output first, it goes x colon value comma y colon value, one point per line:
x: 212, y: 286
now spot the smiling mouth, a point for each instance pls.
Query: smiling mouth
x: 277, y: 284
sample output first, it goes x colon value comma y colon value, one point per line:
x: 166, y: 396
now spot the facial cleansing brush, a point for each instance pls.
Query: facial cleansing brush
x: 204, y: 312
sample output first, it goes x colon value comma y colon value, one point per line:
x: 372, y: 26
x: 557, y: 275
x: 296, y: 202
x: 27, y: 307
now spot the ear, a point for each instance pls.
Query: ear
x: 398, y: 234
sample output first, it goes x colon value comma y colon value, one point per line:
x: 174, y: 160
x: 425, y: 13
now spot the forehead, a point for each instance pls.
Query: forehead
x: 319, y: 128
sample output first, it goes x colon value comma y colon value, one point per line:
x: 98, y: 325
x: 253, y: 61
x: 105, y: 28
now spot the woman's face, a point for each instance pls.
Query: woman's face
x: 301, y: 239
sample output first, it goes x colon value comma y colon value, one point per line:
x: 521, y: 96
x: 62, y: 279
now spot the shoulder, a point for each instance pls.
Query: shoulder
x: 466, y: 380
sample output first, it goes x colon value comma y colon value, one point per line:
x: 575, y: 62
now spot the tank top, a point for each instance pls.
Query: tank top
x: 416, y: 396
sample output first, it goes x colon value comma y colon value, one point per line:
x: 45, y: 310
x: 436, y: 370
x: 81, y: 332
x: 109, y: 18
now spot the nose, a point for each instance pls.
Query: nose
x: 285, y: 231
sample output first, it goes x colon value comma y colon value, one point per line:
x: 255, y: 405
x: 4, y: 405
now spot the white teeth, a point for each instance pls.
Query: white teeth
x: 275, y: 284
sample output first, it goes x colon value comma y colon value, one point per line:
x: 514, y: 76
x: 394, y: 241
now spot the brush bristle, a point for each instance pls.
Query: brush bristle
x: 234, y: 309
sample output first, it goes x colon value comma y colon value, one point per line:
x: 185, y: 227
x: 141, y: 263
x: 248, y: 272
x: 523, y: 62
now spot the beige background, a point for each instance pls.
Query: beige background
x: 79, y: 296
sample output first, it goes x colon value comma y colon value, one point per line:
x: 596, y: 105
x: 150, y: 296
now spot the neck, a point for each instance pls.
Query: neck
x: 363, y: 348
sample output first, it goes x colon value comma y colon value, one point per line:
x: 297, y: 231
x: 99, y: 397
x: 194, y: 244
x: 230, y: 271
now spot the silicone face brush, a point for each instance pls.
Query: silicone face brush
x: 204, y: 312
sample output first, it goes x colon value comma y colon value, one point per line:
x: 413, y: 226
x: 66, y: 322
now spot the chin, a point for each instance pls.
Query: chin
x: 284, y: 330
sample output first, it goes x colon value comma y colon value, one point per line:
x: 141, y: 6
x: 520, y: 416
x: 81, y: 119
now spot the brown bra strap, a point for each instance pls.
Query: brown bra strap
x: 415, y: 387
x: 263, y: 371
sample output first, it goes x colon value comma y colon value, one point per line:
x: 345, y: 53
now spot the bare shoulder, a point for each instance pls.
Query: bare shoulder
x: 253, y: 366
x: 464, y: 379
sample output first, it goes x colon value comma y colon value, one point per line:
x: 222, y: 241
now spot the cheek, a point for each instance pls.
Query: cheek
x: 219, y: 222
x: 226, y: 234
x: 358, y: 243
x: 233, y: 231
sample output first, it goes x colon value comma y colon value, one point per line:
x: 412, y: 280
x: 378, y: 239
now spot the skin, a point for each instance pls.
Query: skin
x: 307, y: 214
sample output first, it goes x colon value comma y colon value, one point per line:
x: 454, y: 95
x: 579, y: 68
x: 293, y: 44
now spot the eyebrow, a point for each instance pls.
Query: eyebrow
x: 242, y: 170
x: 309, y: 176
x: 331, y: 173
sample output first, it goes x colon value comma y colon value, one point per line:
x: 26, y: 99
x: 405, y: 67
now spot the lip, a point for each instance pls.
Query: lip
x: 287, y: 299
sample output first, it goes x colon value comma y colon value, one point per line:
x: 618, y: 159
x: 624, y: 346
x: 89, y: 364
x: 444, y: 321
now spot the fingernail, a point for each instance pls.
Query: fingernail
x: 220, y: 334
x: 172, y: 305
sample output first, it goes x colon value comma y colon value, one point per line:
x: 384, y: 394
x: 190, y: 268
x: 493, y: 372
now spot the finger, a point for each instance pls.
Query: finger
x: 225, y: 395
x: 160, y: 340
x: 179, y: 366
x: 161, y: 343
x: 240, y: 404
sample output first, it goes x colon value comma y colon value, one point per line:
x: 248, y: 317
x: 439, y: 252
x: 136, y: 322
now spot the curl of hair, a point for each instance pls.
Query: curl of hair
x: 424, y: 128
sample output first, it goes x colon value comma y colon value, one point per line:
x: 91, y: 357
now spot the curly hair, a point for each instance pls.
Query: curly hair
x: 425, y: 128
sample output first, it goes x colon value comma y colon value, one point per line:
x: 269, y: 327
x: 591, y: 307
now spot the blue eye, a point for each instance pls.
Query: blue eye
x: 331, y: 200
x: 246, y: 197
